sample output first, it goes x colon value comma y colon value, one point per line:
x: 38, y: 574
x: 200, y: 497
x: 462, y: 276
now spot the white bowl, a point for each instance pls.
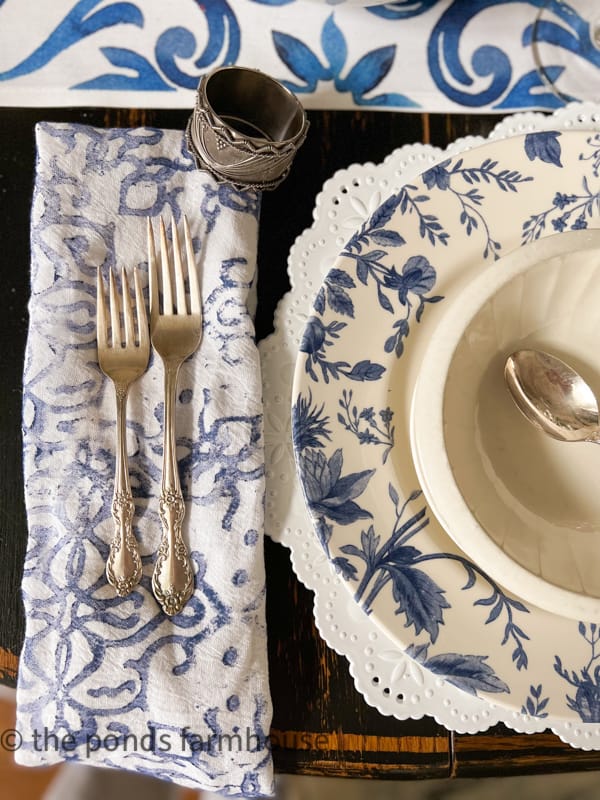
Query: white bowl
x: 522, y: 505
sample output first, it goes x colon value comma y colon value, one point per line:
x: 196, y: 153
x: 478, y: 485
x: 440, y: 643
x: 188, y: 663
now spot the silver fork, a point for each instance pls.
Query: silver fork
x: 123, y: 359
x: 176, y: 331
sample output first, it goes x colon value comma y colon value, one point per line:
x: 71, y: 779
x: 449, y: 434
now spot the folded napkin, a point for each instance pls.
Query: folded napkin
x: 109, y: 680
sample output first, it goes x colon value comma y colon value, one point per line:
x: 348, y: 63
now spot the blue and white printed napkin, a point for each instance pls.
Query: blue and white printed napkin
x: 109, y: 680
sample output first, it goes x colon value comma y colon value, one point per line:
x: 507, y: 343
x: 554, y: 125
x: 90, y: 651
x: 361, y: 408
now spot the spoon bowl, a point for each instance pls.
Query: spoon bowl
x: 553, y: 396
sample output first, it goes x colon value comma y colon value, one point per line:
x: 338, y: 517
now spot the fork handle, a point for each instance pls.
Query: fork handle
x: 124, y: 565
x: 173, y: 577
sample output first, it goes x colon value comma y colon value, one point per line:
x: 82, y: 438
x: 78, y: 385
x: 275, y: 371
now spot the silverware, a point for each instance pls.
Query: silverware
x: 246, y: 127
x: 553, y: 396
x: 123, y: 359
x: 176, y: 330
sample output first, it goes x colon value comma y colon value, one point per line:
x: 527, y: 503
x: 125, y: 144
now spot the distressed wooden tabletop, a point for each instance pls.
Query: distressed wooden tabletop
x: 321, y: 724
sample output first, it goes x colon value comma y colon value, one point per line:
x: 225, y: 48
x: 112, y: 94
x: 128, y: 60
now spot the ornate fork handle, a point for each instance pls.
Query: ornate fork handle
x: 173, y: 577
x: 124, y: 565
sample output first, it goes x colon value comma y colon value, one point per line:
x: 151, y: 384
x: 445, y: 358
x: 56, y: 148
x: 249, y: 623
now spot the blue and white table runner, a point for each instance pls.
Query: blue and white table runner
x: 411, y: 55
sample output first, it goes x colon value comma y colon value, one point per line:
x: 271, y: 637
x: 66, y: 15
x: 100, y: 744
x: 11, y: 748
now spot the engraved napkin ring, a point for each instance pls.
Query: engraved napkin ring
x: 246, y: 128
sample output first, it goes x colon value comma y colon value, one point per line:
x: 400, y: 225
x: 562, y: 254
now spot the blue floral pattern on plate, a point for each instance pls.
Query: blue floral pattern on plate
x: 364, y: 498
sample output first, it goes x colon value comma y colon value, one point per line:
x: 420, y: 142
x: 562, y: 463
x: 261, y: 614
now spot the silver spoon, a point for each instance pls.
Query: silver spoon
x: 553, y: 396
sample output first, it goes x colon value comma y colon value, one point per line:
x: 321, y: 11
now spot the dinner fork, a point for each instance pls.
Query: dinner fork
x: 176, y: 331
x: 123, y: 359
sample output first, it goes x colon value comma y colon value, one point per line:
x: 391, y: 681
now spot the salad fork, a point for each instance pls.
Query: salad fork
x: 123, y: 359
x: 176, y: 331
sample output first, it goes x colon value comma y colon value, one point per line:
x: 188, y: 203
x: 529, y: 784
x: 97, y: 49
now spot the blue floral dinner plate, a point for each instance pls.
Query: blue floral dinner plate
x: 355, y: 373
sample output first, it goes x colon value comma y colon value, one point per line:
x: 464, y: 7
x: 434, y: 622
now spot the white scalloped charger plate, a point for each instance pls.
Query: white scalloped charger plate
x: 359, y: 359
x: 388, y: 678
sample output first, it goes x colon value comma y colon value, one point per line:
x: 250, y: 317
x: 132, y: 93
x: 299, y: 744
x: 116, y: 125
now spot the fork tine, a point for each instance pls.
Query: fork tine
x: 178, y: 269
x: 167, y: 305
x: 100, y: 311
x: 152, y: 273
x: 192, y: 269
x: 140, y: 313
x: 115, y: 310
x: 127, y: 310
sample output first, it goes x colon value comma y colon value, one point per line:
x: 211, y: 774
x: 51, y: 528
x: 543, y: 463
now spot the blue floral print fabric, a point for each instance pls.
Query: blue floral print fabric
x: 112, y: 680
x: 410, y: 55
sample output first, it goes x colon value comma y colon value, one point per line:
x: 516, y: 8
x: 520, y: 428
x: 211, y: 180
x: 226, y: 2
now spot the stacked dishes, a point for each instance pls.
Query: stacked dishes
x: 463, y: 533
x: 524, y: 506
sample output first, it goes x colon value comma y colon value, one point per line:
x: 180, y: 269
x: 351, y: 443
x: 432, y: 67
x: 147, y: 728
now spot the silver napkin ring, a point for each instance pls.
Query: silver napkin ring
x: 246, y: 128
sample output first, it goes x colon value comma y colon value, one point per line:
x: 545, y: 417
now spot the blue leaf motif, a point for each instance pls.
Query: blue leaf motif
x: 364, y: 263
x: 387, y: 238
x: 545, y: 146
x: 340, y: 301
x: 353, y: 550
x: 468, y: 672
x: 535, y: 705
x: 530, y: 706
x: 418, y: 597
x: 385, y: 212
x: 363, y: 76
x: 147, y: 78
x: 334, y: 45
x: 370, y: 542
x: 324, y: 532
x: 362, y: 270
x: 405, y: 554
x: 77, y: 25
x: 368, y: 71
x: 347, y: 570
x: 336, y: 282
x: 340, y: 278
x: 300, y: 59
x: 384, y: 301
x: 366, y: 371
x: 319, y: 303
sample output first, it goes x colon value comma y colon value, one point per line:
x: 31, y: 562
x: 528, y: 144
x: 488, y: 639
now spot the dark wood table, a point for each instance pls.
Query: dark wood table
x: 321, y: 724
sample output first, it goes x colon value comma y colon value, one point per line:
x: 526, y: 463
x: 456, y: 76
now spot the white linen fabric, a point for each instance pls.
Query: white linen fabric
x: 108, y: 680
x: 411, y: 55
